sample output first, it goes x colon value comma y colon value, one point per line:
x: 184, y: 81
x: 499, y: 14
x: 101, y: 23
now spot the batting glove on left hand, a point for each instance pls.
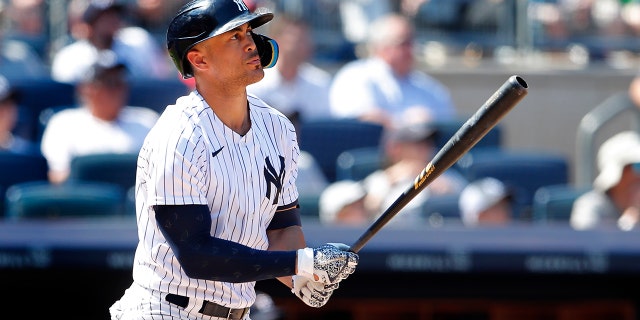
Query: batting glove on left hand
x: 312, y: 293
x: 329, y: 263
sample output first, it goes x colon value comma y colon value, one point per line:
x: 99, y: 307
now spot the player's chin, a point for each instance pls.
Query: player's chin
x: 255, y: 75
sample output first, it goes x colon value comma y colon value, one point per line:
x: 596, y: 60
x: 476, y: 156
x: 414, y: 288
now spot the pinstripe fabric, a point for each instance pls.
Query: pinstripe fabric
x: 191, y: 157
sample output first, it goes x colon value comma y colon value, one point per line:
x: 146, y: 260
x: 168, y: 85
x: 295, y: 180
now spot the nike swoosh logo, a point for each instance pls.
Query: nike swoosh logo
x: 215, y: 153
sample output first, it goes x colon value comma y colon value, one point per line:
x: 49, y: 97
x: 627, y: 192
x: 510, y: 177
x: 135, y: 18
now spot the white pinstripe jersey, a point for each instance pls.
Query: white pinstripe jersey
x: 191, y: 157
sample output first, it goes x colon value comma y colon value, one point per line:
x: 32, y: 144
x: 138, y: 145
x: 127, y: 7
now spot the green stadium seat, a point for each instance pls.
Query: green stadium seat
x: 356, y: 164
x: 42, y: 200
x: 156, y: 94
x: 117, y: 168
x: 554, y: 203
x: 326, y: 139
x: 17, y: 168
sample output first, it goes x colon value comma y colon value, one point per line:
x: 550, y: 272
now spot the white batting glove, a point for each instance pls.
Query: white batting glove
x: 328, y: 264
x: 313, y: 294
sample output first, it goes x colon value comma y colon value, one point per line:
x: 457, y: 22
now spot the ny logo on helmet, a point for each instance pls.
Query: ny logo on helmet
x: 241, y: 5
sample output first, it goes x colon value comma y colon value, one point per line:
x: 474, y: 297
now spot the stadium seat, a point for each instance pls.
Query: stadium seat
x: 116, y: 168
x: 130, y: 202
x: 554, y: 203
x: 18, y: 168
x: 523, y: 171
x: 441, y: 208
x: 310, y: 206
x: 326, y: 139
x: 356, y: 164
x: 35, y: 96
x: 42, y: 200
x: 155, y: 94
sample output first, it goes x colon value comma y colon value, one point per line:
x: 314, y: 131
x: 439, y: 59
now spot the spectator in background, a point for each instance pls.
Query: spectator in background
x: 342, y: 203
x: 99, y: 25
x: 634, y: 90
x: 18, y: 60
x: 630, y: 14
x: 154, y: 15
x: 8, y: 118
x: 385, y: 86
x: 102, y: 123
x: 294, y: 86
x: 358, y: 15
x: 408, y: 149
x: 409, y: 8
x: 26, y: 22
x: 614, y: 200
x: 486, y: 202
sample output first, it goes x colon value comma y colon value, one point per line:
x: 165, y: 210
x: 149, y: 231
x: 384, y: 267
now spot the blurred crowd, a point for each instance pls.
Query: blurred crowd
x: 339, y: 27
x: 99, y: 46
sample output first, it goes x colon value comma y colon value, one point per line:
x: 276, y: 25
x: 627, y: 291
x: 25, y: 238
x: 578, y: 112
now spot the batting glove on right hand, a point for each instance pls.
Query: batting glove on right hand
x: 312, y: 293
x: 328, y: 264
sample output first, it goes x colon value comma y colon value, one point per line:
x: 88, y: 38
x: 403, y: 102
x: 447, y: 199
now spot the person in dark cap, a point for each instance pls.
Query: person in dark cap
x: 8, y: 119
x: 102, y: 123
x: 99, y: 7
x: 408, y: 148
x: 99, y: 25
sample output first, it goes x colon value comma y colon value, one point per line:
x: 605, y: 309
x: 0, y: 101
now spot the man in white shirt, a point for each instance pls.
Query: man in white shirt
x: 102, y: 123
x: 386, y: 86
x: 100, y: 26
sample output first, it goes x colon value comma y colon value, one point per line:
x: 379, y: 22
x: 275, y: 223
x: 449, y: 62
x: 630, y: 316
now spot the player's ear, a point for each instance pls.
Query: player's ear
x: 197, y: 60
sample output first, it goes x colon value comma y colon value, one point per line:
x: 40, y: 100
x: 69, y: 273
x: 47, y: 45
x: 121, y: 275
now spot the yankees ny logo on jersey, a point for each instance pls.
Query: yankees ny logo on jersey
x: 241, y: 5
x: 274, y: 177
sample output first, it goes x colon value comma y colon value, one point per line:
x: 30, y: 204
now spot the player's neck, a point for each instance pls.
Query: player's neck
x: 232, y: 110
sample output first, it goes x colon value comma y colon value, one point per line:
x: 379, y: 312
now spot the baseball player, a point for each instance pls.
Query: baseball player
x: 216, y: 197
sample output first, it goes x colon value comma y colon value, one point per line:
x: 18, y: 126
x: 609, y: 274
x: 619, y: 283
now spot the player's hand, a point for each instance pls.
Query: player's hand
x: 328, y: 264
x: 313, y: 294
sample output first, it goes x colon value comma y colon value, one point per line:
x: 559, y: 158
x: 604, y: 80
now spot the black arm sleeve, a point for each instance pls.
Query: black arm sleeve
x: 187, y: 229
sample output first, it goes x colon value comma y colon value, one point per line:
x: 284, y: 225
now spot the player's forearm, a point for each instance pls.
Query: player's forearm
x: 290, y: 238
x: 286, y: 239
x: 220, y: 260
x: 187, y: 227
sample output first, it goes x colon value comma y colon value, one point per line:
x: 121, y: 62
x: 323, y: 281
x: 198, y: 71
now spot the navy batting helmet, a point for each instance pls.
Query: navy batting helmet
x: 199, y: 20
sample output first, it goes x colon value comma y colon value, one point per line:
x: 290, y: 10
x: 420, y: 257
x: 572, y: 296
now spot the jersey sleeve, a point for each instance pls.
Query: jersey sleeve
x: 180, y: 176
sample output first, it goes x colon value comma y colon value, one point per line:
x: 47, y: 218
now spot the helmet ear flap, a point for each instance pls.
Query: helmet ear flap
x: 267, y: 49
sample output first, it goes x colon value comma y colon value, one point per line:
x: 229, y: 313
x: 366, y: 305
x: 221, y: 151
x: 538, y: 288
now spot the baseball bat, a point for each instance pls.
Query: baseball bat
x: 476, y: 127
